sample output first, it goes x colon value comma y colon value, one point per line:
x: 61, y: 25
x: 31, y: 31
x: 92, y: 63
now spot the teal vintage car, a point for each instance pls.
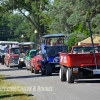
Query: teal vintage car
x: 28, y: 57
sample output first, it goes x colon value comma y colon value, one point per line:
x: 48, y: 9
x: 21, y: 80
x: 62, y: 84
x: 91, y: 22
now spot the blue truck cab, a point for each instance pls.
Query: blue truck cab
x: 51, y: 45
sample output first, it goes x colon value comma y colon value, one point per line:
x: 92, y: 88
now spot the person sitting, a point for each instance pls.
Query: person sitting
x: 96, y: 50
x: 52, y: 43
x: 59, y: 43
x: 75, y: 51
x: 31, y: 47
x: 48, y: 41
x: 6, y: 49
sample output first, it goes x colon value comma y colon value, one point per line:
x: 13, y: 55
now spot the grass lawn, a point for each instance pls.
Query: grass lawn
x: 12, y: 94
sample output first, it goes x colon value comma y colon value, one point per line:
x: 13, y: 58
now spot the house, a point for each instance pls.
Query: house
x: 87, y: 41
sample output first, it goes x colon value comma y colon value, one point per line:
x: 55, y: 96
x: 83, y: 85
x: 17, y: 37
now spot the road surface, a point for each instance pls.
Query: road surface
x: 50, y: 87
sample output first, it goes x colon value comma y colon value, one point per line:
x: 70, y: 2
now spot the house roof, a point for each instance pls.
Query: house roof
x: 96, y: 40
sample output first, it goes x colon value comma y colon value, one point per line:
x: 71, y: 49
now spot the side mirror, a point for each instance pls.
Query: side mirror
x: 45, y: 47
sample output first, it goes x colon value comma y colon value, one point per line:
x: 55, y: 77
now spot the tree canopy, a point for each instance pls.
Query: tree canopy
x: 59, y: 16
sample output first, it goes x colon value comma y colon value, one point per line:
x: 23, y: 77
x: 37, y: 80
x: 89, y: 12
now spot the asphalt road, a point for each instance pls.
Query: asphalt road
x: 50, y: 87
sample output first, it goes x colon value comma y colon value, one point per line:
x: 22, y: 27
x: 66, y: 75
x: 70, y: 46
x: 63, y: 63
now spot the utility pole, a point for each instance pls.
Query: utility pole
x: 88, y: 21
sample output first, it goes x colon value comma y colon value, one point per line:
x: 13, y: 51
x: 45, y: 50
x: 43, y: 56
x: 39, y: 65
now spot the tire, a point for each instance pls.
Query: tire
x: 6, y: 65
x: 27, y: 66
x: 36, y: 71
x: 43, y: 71
x: 9, y: 65
x: 62, y: 73
x: 48, y: 70
x: 2, y: 63
x: 20, y: 65
x: 27, y: 69
x: 70, y: 78
x: 32, y: 71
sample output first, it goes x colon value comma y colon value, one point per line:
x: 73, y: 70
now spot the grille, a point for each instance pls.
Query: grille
x: 14, y: 60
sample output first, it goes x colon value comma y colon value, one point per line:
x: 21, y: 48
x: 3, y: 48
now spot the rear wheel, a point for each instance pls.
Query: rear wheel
x: 6, y: 64
x: 42, y: 71
x: 2, y: 63
x: 27, y: 65
x: 27, y: 69
x: 48, y: 70
x: 70, y: 78
x: 2, y: 60
x: 62, y: 73
x: 36, y: 71
x: 20, y: 65
x: 32, y: 71
x: 9, y: 65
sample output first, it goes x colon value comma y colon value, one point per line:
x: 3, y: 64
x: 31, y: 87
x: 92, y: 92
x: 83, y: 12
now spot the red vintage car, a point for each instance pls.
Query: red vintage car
x: 35, y: 63
x: 12, y: 57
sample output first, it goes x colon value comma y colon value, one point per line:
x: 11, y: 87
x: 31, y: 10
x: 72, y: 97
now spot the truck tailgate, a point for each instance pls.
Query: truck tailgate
x: 78, y: 60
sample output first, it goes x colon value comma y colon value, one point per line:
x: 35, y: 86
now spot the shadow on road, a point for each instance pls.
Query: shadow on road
x: 14, y: 95
x: 12, y: 69
x: 28, y: 76
x: 91, y: 79
x: 88, y: 81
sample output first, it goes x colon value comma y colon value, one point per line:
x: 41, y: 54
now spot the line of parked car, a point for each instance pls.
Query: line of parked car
x: 52, y: 57
x: 46, y: 59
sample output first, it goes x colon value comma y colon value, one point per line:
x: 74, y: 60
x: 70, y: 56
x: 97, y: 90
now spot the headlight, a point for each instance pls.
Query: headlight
x: 21, y: 59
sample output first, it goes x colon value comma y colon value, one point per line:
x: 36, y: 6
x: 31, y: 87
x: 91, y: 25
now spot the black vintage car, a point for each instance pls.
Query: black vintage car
x: 24, y: 48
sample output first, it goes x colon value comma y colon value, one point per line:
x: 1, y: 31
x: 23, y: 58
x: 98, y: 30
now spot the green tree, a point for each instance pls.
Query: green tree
x: 59, y: 12
x: 72, y: 41
x: 35, y: 11
x: 21, y: 26
x: 12, y: 26
x: 4, y: 29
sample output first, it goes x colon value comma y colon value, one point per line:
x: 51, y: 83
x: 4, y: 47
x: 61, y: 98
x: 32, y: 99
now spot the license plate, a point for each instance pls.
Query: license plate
x: 96, y: 71
x: 75, y: 70
x: 57, y: 65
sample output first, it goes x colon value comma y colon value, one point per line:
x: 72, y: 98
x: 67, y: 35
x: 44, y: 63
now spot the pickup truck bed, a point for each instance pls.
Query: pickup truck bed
x: 79, y: 60
x: 75, y: 66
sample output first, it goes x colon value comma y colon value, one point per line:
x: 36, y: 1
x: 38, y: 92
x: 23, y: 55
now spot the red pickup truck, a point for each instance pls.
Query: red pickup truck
x: 79, y: 63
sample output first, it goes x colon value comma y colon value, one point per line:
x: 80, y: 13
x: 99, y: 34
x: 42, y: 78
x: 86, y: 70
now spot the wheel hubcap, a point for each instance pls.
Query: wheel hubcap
x: 67, y: 74
x: 60, y: 73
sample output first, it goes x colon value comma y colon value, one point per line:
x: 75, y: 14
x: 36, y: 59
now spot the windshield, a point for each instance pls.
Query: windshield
x: 54, y: 50
x: 85, y: 49
x: 4, y: 49
x: 55, y: 41
x: 33, y: 53
x: 23, y: 49
x: 14, y: 50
